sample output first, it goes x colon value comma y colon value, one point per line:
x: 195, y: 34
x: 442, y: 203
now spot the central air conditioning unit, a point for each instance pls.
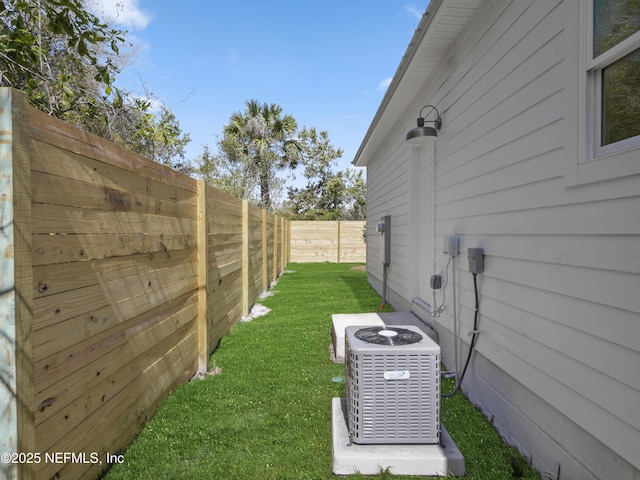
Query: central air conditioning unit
x: 392, y: 383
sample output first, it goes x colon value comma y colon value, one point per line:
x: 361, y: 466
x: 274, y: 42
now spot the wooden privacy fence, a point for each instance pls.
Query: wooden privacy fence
x: 334, y: 241
x: 118, y: 277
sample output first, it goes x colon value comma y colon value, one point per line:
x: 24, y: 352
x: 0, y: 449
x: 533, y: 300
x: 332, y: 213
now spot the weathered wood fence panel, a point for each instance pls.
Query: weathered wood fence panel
x: 254, y: 237
x: 327, y: 241
x: 352, y: 245
x: 119, y: 276
x: 112, y: 331
x: 224, y: 270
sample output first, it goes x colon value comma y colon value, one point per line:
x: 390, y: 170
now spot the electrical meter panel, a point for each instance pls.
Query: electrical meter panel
x: 384, y: 228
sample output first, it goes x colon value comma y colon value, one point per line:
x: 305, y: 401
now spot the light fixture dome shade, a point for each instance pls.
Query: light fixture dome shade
x: 418, y: 135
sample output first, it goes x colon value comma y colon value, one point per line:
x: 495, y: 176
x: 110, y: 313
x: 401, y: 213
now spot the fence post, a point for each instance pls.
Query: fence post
x: 274, y: 255
x: 339, y: 241
x: 17, y: 414
x: 265, y: 253
x: 245, y: 258
x: 286, y: 236
x: 283, y: 243
x: 203, y: 267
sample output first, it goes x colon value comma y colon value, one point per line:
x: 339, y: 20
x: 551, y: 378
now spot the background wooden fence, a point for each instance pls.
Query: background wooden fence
x: 336, y: 241
x: 118, y: 277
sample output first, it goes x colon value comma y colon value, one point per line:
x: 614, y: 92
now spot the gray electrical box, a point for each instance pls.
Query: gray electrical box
x: 451, y: 245
x: 476, y: 260
x: 384, y: 227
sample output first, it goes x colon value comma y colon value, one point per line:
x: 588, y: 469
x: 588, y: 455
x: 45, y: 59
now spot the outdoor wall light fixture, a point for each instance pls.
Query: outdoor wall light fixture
x: 421, y: 133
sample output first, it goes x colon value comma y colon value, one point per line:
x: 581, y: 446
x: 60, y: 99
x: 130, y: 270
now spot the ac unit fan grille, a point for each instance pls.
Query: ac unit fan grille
x: 400, y: 336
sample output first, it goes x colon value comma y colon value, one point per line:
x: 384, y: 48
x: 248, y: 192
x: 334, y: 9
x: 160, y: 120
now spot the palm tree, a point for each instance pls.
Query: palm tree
x: 264, y: 138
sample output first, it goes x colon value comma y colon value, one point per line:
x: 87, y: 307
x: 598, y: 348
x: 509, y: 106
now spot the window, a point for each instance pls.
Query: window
x: 614, y: 76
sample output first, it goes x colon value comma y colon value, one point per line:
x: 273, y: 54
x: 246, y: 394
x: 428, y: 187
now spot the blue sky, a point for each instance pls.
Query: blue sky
x: 327, y: 63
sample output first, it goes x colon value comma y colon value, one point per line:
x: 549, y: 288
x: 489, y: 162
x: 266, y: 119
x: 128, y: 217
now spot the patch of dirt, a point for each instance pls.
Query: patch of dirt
x: 359, y: 267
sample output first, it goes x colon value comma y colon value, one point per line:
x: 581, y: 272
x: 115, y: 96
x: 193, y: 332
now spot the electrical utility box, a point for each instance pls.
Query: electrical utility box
x: 384, y: 228
x: 451, y: 245
x: 476, y: 260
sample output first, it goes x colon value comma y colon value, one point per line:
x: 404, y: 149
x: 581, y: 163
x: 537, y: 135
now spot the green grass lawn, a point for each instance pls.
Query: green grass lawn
x: 267, y: 415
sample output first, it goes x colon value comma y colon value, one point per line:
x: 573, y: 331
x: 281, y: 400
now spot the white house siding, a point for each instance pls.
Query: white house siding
x: 557, y: 365
x: 388, y: 194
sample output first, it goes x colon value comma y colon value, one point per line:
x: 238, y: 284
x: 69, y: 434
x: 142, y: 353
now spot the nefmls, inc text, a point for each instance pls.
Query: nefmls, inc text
x: 91, y: 458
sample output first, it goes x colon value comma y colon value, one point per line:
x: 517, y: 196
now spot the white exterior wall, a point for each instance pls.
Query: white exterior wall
x: 388, y: 193
x: 557, y: 361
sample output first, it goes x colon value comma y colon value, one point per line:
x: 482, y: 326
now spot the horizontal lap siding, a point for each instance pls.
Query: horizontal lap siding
x: 114, y: 302
x: 388, y: 193
x: 559, y: 297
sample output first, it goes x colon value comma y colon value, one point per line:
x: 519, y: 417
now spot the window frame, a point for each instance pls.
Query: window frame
x: 594, y: 70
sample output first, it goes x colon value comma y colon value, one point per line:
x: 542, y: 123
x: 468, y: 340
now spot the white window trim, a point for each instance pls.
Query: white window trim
x: 594, y: 68
x: 585, y: 163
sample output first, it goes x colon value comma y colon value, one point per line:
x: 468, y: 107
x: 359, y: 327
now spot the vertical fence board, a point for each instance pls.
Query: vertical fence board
x: 338, y: 231
x: 245, y: 258
x: 287, y: 236
x: 203, y: 263
x: 265, y: 252
x: 276, y: 250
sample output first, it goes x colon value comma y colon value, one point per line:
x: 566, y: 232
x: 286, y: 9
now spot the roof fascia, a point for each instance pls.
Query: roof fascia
x: 414, y: 44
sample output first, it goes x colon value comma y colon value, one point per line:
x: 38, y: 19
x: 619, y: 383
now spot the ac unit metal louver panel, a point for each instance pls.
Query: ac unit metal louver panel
x: 393, y: 392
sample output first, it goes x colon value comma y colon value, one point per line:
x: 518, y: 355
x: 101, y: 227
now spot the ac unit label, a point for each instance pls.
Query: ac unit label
x: 396, y: 375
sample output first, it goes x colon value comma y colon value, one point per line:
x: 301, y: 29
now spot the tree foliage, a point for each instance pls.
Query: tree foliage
x: 260, y: 142
x: 66, y: 60
x: 154, y: 134
x: 614, y: 21
x: 257, y: 143
x: 58, y: 53
x: 328, y: 195
x: 233, y: 177
x: 356, y: 206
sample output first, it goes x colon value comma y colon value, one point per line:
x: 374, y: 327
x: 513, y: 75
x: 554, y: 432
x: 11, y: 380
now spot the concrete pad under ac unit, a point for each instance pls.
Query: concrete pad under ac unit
x: 427, y: 460
x: 340, y: 321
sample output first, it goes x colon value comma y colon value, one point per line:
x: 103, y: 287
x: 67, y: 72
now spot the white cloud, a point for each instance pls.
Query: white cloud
x: 125, y: 13
x: 411, y: 9
x: 384, y: 84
